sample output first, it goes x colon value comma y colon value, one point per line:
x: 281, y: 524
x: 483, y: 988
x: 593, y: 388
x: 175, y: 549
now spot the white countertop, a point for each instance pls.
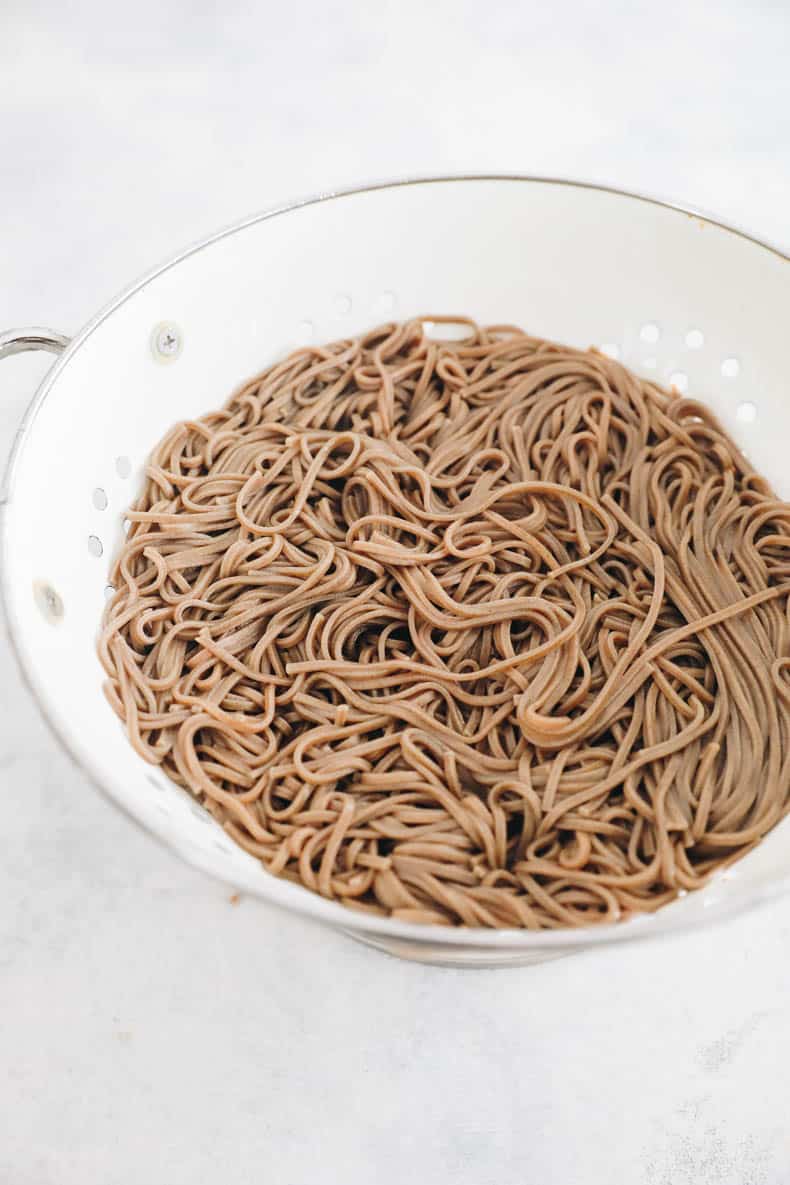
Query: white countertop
x: 153, y: 1032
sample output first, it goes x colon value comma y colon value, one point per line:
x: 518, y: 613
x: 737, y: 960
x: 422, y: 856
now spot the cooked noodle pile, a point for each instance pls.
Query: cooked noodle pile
x: 485, y: 632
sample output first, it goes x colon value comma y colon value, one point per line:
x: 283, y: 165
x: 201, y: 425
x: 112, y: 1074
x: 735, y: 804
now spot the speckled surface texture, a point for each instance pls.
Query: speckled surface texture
x: 153, y: 1031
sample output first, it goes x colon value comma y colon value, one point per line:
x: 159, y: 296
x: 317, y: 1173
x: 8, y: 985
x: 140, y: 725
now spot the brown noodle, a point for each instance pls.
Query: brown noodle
x: 486, y: 632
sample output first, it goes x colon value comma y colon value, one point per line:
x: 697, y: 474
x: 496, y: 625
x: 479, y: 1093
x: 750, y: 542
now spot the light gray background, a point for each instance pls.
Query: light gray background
x: 152, y: 1032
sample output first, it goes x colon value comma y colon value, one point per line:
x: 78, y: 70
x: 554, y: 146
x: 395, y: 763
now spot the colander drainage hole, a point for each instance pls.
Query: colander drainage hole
x: 95, y: 546
x: 99, y: 498
x: 746, y: 412
x: 123, y: 466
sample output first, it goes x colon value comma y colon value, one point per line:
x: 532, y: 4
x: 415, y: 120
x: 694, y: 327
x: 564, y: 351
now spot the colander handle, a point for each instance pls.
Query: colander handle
x: 17, y: 341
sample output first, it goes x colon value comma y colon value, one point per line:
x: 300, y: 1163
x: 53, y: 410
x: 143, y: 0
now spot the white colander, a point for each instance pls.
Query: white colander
x: 676, y: 296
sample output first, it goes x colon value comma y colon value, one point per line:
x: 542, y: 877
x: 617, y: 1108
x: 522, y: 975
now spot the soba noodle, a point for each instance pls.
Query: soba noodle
x: 487, y: 632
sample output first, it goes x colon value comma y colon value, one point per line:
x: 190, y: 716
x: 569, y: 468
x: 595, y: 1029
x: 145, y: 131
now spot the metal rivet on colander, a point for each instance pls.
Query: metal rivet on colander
x: 48, y: 601
x: 166, y: 341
